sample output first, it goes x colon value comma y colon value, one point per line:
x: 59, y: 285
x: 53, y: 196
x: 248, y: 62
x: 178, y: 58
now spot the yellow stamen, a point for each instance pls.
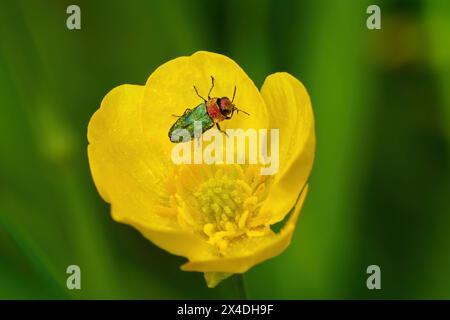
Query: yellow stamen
x: 225, y: 201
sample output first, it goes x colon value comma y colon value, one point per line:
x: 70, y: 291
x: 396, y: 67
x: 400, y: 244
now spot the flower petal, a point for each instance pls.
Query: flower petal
x: 290, y: 110
x: 169, y: 90
x: 127, y: 174
x: 248, y: 253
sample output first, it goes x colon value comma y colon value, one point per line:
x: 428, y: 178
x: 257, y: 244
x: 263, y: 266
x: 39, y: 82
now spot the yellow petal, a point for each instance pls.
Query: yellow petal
x: 127, y: 174
x: 290, y: 110
x: 176, y: 241
x: 247, y: 253
x: 169, y: 90
x: 120, y: 162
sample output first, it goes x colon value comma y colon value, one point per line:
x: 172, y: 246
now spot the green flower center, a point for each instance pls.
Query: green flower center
x: 226, y: 205
x: 224, y: 201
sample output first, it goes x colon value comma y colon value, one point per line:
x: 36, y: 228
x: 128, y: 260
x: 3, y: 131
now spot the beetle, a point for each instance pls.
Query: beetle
x: 208, y: 113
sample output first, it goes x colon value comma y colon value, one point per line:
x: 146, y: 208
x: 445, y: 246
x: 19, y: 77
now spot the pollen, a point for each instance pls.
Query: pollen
x: 222, y: 205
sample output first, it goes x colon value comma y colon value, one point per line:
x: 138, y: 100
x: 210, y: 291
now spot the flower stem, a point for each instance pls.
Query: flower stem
x: 240, y: 287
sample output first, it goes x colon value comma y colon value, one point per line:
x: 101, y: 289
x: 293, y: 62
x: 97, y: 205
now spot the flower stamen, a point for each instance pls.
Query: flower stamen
x: 223, y: 204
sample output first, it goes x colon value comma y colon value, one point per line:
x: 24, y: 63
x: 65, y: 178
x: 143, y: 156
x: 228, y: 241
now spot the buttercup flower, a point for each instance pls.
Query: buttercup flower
x: 219, y: 216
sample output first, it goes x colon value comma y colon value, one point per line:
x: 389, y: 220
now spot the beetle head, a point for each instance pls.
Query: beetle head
x: 225, y: 105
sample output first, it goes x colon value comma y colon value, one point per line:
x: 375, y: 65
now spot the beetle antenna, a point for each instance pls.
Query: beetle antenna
x: 198, y: 94
x: 234, y: 94
x: 237, y: 110
x: 212, y: 86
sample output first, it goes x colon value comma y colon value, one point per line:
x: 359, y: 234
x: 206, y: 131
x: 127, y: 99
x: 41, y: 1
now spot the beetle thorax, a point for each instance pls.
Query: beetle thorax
x: 214, y: 110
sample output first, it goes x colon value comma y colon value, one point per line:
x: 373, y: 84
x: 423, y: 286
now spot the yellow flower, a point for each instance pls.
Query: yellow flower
x: 219, y: 216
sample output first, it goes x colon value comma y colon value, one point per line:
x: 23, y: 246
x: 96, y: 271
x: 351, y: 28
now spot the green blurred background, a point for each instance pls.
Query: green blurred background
x: 379, y: 193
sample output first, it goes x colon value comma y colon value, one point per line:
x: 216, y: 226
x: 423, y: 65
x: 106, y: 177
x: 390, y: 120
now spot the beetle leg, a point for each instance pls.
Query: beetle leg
x: 223, y: 131
x: 230, y: 116
x: 196, y: 91
x: 212, y: 86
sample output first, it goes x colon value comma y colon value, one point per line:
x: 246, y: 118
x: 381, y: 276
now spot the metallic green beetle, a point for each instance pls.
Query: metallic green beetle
x: 208, y: 113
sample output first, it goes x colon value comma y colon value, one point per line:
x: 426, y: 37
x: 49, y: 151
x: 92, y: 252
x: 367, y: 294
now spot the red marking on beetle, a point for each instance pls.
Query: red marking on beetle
x: 214, y: 110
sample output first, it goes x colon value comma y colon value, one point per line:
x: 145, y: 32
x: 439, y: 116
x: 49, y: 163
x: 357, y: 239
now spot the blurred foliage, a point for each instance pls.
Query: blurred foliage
x: 380, y: 187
